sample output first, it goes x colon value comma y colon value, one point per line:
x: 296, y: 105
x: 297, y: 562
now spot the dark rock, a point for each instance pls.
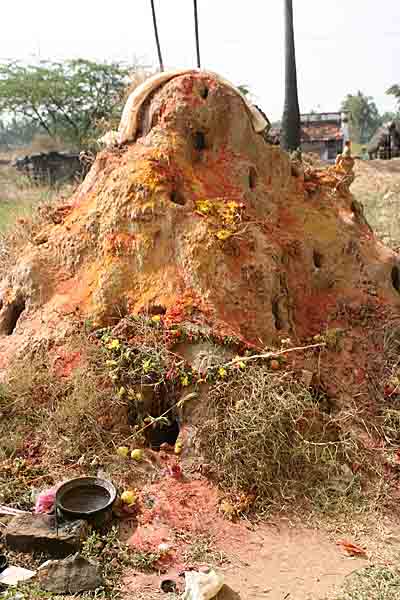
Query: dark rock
x: 70, y: 576
x: 37, y: 533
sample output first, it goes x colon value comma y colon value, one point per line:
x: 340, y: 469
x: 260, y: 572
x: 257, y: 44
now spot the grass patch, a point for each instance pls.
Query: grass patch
x: 24, y: 209
x: 203, y: 551
x: 371, y: 583
x: 50, y: 422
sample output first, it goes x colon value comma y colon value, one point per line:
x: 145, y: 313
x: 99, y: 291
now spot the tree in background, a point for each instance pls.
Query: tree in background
x: 389, y: 116
x: 395, y: 91
x: 65, y: 99
x: 17, y: 132
x: 290, y: 136
x: 363, y: 116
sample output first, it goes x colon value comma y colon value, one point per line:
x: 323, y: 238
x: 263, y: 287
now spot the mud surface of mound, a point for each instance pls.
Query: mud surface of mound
x: 201, y: 220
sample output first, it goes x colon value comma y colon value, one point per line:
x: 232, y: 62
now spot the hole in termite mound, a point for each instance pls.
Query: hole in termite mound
x: 163, y: 431
x: 199, y: 141
x: 317, y: 259
x: 252, y: 178
x: 177, y: 198
x: 161, y: 420
x: 204, y: 92
x: 276, y: 315
x: 395, y: 275
x: 12, y: 313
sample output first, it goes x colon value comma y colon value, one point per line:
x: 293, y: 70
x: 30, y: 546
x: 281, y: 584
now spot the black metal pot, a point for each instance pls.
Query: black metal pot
x: 85, y: 498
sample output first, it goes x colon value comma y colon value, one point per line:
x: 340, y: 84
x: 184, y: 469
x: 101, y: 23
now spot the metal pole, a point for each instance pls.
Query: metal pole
x: 156, y: 36
x: 196, y: 26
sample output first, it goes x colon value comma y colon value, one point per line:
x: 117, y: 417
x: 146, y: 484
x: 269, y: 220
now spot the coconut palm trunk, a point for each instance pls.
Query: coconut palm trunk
x: 196, y: 30
x: 153, y: 12
x: 290, y: 136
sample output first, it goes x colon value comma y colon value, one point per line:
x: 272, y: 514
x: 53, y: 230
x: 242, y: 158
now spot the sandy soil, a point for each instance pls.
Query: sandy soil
x: 276, y: 562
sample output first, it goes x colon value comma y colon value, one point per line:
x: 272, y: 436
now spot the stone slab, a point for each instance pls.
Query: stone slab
x: 38, y: 533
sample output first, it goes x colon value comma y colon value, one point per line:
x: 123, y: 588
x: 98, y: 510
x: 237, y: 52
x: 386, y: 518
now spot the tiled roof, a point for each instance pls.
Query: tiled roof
x: 314, y: 132
x: 321, y: 132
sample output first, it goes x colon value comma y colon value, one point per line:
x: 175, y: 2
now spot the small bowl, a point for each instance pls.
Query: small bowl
x: 85, y: 497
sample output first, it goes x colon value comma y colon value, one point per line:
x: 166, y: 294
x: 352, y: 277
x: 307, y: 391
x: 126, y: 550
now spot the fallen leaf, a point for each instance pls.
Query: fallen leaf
x: 351, y: 549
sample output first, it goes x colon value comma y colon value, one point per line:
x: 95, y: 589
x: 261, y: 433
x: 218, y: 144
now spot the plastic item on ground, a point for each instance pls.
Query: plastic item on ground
x: 14, y: 575
x: 202, y: 586
x: 6, y: 510
x: 46, y: 499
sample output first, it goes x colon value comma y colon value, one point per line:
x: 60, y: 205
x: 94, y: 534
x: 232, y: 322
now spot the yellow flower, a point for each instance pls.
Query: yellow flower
x: 224, y: 234
x: 147, y: 365
x: 222, y: 372
x: 203, y: 206
x: 129, y: 497
x: 240, y: 363
x: 185, y: 381
x: 156, y: 318
x: 121, y: 391
x: 113, y: 345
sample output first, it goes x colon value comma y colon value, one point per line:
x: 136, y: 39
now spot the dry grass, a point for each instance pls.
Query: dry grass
x: 377, y: 186
x: 372, y: 583
x: 49, y: 422
x: 266, y: 434
x: 24, y: 209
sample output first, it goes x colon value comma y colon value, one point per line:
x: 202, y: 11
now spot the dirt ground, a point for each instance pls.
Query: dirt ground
x: 283, y: 561
x: 377, y: 186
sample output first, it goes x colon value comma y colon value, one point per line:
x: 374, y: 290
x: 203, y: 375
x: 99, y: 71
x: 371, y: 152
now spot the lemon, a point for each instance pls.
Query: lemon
x: 137, y: 454
x: 123, y: 451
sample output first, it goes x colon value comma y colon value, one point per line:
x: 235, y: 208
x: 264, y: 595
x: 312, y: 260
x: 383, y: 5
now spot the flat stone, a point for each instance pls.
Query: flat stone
x: 69, y: 576
x: 37, y: 533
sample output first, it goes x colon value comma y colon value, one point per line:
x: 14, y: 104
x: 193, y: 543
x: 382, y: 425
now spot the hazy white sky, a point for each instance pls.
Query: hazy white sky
x: 342, y: 45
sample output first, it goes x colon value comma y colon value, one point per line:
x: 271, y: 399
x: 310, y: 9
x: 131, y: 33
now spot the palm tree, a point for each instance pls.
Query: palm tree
x: 156, y: 36
x: 196, y: 31
x: 290, y: 136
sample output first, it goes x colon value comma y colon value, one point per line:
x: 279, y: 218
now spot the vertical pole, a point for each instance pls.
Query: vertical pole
x: 156, y: 36
x: 196, y: 27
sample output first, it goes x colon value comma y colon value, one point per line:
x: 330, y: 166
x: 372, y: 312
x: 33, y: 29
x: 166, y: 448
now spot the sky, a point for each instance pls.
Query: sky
x: 342, y: 46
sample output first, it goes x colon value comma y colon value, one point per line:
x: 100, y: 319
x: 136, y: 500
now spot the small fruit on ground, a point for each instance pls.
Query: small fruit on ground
x: 137, y: 454
x: 128, y: 497
x: 178, y: 447
x: 123, y: 451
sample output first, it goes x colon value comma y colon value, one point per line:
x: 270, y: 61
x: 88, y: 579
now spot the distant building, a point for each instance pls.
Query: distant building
x: 321, y: 133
